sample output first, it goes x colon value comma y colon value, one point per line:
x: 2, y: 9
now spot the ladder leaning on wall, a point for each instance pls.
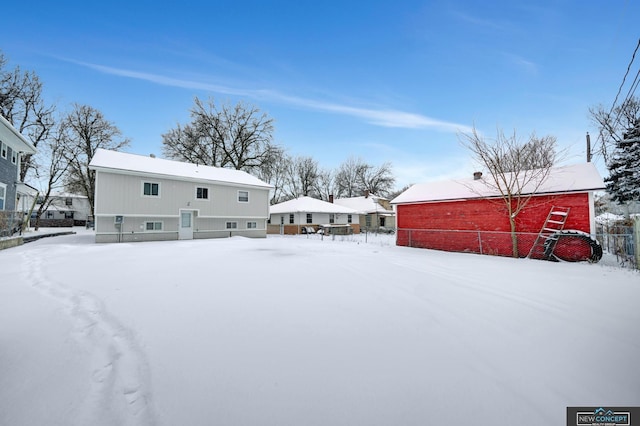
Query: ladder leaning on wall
x: 547, y: 238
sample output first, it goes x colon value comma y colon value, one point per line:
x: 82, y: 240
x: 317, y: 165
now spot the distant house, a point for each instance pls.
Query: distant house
x: 375, y: 212
x: 466, y: 215
x: 12, y: 147
x: 141, y: 198
x: 64, y: 210
x: 307, y: 214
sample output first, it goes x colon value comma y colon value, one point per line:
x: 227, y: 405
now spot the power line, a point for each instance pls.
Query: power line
x: 629, y: 95
x: 632, y: 89
x: 633, y: 57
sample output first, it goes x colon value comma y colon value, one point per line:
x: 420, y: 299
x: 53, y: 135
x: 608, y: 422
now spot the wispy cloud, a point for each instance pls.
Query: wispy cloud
x: 480, y: 22
x: 522, y: 63
x: 380, y: 117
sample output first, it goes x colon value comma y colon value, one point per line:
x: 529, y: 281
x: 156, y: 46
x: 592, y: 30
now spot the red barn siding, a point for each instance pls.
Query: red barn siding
x: 484, y: 220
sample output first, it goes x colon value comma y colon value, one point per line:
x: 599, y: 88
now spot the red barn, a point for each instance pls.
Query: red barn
x: 468, y: 215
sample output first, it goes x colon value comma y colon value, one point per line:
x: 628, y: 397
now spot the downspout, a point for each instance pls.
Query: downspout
x: 27, y: 220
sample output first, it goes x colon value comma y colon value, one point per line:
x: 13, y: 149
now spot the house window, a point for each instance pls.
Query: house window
x: 382, y: 221
x: 151, y: 189
x: 349, y: 218
x: 281, y: 220
x: 309, y: 218
x: 3, y: 194
x: 232, y: 225
x: 252, y: 225
x: 332, y: 218
x: 202, y: 193
x: 3, y: 150
x: 68, y: 202
x: 49, y: 215
x: 14, y: 157
x: 153, y: 226
x: 243, y: 196
x: 291, y: 218
x: 68, y: 215
x: 367, y: 221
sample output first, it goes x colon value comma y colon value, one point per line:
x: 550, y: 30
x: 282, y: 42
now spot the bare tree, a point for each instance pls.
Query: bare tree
x: 354, y: 177
x: 348, y: 177
x: 84, y: 130
x: 377, y: 180
x: 613, y: 123
x: 237, y: 137
x: 185, y: 143
x: 52, y: 153
x: 509, y: 162
x: 22, y: 105
x: 275, y: 173
x: 303, y: 175
x: 326, y: 184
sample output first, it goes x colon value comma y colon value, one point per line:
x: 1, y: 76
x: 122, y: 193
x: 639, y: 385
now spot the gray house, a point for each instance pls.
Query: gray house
x: 12, y: 147
x: 139, y: 198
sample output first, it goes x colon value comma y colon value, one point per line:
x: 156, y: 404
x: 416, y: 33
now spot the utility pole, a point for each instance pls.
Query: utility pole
x: 588, y: 148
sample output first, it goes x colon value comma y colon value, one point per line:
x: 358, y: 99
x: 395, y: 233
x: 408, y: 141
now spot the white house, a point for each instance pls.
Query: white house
x: 375, y: 212
x: 141, y: 198
x: 297, y: 215
x: 64, y: 209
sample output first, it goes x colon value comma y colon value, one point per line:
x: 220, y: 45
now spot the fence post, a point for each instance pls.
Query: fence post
x: 480, y: 242
x: 636, y: 237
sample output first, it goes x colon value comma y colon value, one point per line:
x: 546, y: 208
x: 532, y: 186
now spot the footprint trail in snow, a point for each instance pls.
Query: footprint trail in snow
x: 120, y: 391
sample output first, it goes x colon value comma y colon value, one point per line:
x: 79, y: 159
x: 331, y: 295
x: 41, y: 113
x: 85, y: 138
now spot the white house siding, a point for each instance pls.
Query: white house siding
x: 317, y: 218
x: 121, y: 194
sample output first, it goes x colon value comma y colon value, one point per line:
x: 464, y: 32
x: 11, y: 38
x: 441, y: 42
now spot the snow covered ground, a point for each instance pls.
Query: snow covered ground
x: 303, y: 331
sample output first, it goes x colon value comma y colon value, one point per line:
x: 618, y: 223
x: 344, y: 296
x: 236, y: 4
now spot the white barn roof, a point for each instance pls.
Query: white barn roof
x: 575, y: 178
x: 309, y: 205
x: 120, y: 162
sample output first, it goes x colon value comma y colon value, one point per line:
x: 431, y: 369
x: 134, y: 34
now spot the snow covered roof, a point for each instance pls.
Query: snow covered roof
x: 67, y: 195
x: 120, y: 162
x: 606, y: 218
x: 575, y: 178
x: 309, y: 205
x: 12, y: 137
x: 364, y: 205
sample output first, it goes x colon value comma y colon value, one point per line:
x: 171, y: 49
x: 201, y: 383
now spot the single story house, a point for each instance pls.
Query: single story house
x: 376, y: 213
x: 12, y: 147
x: 307, y: 214
x: 140, y: 198
x: 468, y: 215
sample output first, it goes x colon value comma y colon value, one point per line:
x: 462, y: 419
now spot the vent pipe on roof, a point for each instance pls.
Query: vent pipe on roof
x: 366, y: 193
x: 331, y: 198
x: 477, y: 175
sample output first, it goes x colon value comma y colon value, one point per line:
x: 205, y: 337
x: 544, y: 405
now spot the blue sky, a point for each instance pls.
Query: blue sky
x: 380, y: 80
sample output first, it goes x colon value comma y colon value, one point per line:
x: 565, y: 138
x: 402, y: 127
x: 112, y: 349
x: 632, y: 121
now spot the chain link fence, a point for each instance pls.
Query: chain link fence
x: 620, y: 242
x: 568, y: 246
x: 10, y: 223
x: 611, y: 246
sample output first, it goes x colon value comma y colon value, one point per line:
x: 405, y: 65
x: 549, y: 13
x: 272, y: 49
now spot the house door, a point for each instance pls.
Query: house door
x: 185, y: 231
